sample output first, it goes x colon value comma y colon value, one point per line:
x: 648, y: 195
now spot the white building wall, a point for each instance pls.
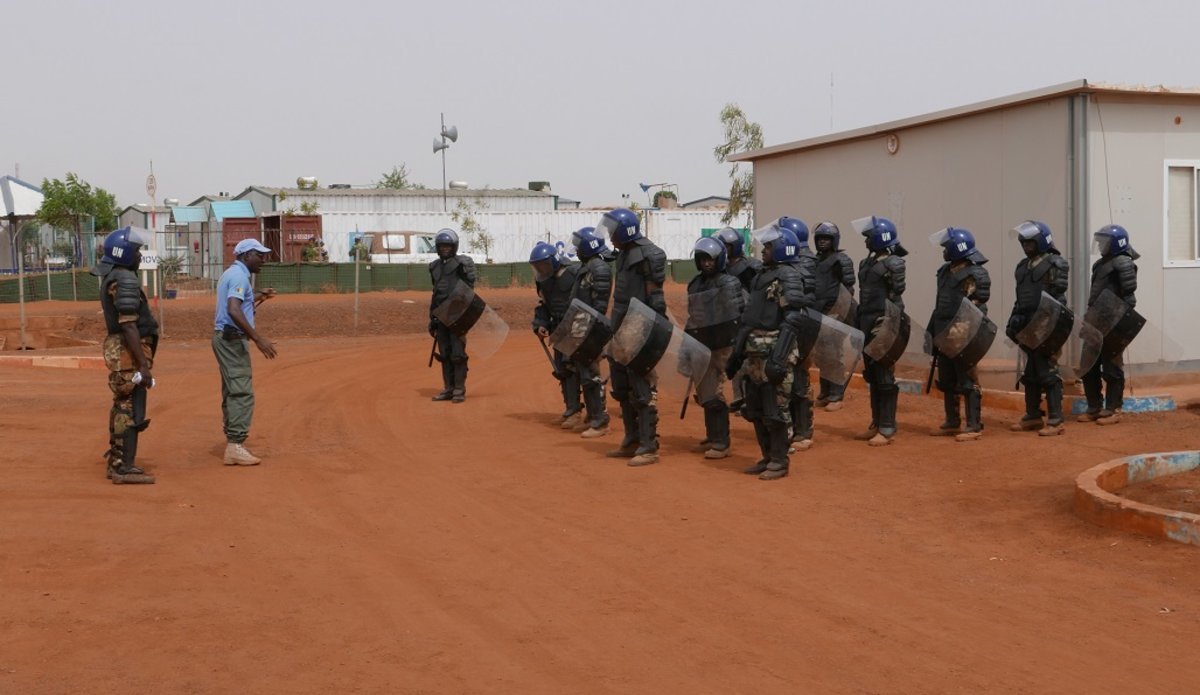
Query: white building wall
x: 1128, y: 144
x: 515, y: 233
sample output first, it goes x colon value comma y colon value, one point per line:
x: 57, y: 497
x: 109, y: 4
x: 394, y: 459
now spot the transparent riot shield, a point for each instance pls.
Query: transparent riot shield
x: 968, y: 336
x: 713, y: 315
x: 844, y: 308
x: 582, y: 333
x: 836, y: 347
x: 889, y: 336
x: 648, y: 342
x: 1108, y: 327
x: 465, y: 312
x: 1048, y: 328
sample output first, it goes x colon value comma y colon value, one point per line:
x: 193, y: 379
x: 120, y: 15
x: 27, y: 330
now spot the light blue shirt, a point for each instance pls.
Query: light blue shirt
x: 235, y: 282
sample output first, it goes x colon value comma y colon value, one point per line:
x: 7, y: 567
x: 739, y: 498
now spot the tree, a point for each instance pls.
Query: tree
x: 398, y: 179
x: 740, y: 136
x: 64, y: 203
x: 465, y: 215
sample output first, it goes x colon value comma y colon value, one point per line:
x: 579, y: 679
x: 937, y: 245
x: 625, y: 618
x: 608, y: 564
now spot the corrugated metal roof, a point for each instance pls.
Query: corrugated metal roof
x: 232, y: 208
x: 1043, y: 94
x: 183, y: 214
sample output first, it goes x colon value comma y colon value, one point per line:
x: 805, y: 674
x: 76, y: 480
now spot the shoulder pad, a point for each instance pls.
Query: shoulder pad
x: 1059, y: 262
x: 126, y: 279
x: 894, y: 263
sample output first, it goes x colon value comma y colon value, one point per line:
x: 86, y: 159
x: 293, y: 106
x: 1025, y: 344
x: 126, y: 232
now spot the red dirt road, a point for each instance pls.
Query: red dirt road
x: 390, y: 544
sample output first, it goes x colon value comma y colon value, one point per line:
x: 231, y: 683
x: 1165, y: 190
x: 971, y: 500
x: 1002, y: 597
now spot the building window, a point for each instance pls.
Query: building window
x: 1182, y: 198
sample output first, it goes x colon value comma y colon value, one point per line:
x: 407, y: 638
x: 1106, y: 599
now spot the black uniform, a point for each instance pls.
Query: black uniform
x: 718, y: 338
x: 767, y: 342
x: 556, y: 293
x: 123, y: 301
x: 744, y: 269
x: 801, y: 407
x: 957, y: 279
x: 881, y: 278
x: 1048, y: 272
x: 446, y: 274
x: 834, y: 270
x: 593, y: 285
x: 641, y: 271
x: 1117, y: 273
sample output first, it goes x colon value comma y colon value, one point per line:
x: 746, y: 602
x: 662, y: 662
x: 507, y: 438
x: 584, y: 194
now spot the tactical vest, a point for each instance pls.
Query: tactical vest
x: 1032, y: 281
x: 638, y: 264
x: 876, y: 286
x: 556, y: 291
x: 146, y: 324
x: 828, y: 279
x: 445, y: 275
x: 777, y: 290
x: 593, y: 284
x: 1116, y: 273
x: 744, y: 269
x: 729, y: 292
x: 950, y: 291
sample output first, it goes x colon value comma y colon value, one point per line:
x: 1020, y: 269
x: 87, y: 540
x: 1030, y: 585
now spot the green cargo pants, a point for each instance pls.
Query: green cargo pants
x: 237, y: 388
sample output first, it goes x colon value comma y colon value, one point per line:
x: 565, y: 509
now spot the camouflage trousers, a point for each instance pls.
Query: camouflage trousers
x: 127, y: 416
x: 764, y: 400
x: 711, y: 386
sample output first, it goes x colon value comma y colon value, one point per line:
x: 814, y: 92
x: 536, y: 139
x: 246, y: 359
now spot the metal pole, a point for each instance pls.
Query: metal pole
x: 356, y: 254
x: 445, y: 206
x: 12, y: 223
x: 49, y: 294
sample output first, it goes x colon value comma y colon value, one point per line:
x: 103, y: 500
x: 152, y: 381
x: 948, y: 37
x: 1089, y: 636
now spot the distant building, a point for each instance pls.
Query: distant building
x: 712, y: 202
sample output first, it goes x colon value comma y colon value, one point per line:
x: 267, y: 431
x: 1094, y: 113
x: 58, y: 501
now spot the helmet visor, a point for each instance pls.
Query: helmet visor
x: 608, y: 227
x: 1025, y: 230
x: 940, y: 237
x: 863, y: 224
x: 1101, y: 242
x: 137, y: 235
x: 768, y: 234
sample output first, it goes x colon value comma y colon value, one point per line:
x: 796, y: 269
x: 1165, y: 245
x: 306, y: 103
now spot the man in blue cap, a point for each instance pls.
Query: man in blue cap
x: 234, y: 326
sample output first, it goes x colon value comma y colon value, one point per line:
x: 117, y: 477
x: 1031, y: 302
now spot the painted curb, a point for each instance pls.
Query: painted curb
x: 1095, y: 502
x: 1140, y: 404
x: 53, y: 361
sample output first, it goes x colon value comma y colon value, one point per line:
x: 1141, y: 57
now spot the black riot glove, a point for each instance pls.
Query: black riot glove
x: 775, y: 371
x: 734, y: 365
x: 1015, y: 323
x: 433, y: 324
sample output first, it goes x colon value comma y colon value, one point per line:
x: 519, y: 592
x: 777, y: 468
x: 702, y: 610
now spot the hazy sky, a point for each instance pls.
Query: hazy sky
x: 594, y: 97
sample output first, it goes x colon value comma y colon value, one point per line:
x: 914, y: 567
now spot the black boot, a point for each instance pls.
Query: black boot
x: 1032, y: 420
x: 764, y: 447
x: 593, y: 399
x: 873, y: 428
x: 629, y: 443
x: 716, y: 425
x: 802, y: 419
x: 974, y: 406
x: 1054, y: 412
x: 1091, y: 392
x: 777, y: 467
x: 460, y: 382
x: 1114, y: 397
x: 447, y: 380
x: 953, y: 422
x: 647, y: 429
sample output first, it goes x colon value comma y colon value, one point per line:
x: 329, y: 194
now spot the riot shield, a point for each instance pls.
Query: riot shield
x: 968, y: 336
x: 1048, y: 328
x: 713, y: 316
x: 465, y: 312
x: 889, y: 336
x: 582, y: 333
x: 844, y: 308
x: 647, y: 341
x: 1108, y: 327
x: 833, y: 346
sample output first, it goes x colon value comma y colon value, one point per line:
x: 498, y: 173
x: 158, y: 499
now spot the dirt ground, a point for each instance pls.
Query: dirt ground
x: 394, y: 545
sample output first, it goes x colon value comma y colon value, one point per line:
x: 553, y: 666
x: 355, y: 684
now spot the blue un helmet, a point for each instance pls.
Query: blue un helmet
x: 1032, y: 230
x: 828, y: 230
x: 1113, y: 240
x: 447, y: 237
x: 735, y: 246
x: 782, y: 243
x: 121, y: 249
x: 956, y: 244
x: 545, y: 260
x: 620, y: 225
x: 797, y: 227
x: 709, y: 247
x: 880, y: 234
x: 587, y: 243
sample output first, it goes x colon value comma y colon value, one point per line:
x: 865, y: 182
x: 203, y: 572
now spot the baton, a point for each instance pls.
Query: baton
x: 433, y: 352
x: 553, y: 366
x: 932, y: 368
x: 686, y: 393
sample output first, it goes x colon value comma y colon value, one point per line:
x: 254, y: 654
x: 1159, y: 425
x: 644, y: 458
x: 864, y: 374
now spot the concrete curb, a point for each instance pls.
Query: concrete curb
x: 55, y: 361
x: 1095, y: 502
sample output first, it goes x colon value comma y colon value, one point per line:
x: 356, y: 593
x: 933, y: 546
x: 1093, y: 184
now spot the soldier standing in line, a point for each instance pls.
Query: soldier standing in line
x: 593, y: 285
x: 744, y: 269
x: 555, y: 282
x: 715, y: 302
x: 766, y: 344
x: 801, y: 407
x: 881, y: 279
x: 1042, y: 270
x: 834, y: 274
x: 129, y: 350
x: 447, y: 271
x: 1115, y: 271
x: 641, y: 272
x: 961, y: 275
